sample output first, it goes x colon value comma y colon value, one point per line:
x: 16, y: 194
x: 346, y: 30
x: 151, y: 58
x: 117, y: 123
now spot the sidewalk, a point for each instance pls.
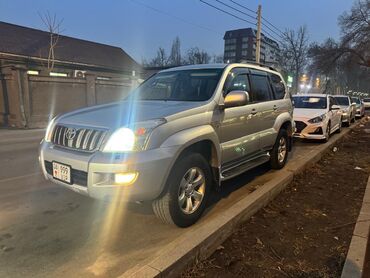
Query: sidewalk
x: 354, y: 266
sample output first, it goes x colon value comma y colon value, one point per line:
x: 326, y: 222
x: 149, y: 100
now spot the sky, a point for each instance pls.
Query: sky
x: 141, y: 26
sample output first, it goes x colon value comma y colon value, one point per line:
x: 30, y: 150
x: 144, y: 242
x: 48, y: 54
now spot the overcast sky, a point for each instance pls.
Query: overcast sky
x: 141, y: 26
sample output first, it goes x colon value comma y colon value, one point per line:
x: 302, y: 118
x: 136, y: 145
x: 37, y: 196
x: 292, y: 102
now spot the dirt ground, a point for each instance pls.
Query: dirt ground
x: 307, y: 229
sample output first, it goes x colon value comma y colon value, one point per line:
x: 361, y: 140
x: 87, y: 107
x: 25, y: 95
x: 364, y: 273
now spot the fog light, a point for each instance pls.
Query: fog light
x: 125, y: 178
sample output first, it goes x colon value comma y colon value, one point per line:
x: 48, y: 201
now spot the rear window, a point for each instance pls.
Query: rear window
x: 260, y: 86
x: 278, y: 86
x: 342, y: 100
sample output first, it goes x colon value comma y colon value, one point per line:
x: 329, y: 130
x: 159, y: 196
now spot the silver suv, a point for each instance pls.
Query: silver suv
x: 178, y: 135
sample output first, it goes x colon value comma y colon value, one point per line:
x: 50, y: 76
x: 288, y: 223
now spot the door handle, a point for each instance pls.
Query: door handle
x: 254, y: 112
x: 275, y: 108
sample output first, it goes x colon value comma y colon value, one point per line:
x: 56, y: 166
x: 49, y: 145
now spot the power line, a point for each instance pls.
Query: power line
x: 226, y: 12
x: 267, y: 21
x: 267, y: 34
x: 231, y: 7
x: 272, y: 30
x: 244, y: 7
x: 272, y: 25
x: 174, y: 16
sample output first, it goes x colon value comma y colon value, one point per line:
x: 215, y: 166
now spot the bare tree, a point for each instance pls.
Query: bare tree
x: 355, y: 28
x: 216, y: 59
x: 294, y: 52
x: 175, y: 56
x: 197, y: 56
x: 347, y: 61
x: 53, y: 26
x: 160, y: 60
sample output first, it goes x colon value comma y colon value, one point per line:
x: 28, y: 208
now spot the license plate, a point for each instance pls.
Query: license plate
x: 62, y: 172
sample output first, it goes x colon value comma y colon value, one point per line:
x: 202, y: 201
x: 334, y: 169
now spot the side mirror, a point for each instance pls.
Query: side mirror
x: 354, y: 103
x: 236, y: 98
x: 335, y: 107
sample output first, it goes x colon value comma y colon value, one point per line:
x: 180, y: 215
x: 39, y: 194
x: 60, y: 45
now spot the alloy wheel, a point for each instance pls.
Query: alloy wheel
x: 282, y: 149
x: 191, y: 190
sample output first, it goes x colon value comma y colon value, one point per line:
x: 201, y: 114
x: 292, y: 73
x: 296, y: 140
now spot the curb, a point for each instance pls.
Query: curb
x: 201, y: 241
x: 355, y: 261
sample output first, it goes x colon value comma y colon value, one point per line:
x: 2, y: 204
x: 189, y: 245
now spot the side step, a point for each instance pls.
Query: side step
x: 242, y: 166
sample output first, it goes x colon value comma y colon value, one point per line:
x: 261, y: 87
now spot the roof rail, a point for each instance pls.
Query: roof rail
x: 258, y: 64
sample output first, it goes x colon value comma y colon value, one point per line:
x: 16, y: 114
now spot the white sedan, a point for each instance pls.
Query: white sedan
x: 316, y: 116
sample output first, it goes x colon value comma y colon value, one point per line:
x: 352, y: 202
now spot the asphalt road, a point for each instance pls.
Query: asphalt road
x: 49, y: 231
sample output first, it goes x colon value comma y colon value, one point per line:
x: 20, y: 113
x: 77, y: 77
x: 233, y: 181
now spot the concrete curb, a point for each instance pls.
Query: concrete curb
x: 201, y: 241
x: 355, y: 261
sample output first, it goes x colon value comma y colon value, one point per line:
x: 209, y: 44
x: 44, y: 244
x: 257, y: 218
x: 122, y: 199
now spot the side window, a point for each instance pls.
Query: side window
x: 331, y: 102
x: 278, y: 86
x: 261, y: 90
x: 237, y: 80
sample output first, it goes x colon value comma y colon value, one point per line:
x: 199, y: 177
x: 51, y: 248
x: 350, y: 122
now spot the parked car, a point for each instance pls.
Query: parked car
x: 360, y: 106
x: 316, y: 116
x: 366, y: 102
x: 181, y: 132
x: 348, y: 108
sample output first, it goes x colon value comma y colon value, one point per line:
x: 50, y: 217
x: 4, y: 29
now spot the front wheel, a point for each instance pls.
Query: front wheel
x: 339, y: 130
x: 327, y: 132
x: 279, y: 153
x: 187, y: 191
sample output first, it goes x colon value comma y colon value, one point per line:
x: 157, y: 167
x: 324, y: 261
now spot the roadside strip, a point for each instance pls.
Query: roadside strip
x: 201, y: 241
x: 355, y: 261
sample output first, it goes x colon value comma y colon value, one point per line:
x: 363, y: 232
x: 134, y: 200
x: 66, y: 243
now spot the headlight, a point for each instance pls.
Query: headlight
x: 49, y: 130
x: 131, y: 138
x: 318, y: 119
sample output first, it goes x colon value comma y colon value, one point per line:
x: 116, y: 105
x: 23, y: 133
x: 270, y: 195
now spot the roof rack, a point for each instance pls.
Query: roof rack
x: 258, y: 64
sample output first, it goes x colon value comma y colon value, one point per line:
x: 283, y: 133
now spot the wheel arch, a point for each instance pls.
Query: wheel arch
x: 203, y: 140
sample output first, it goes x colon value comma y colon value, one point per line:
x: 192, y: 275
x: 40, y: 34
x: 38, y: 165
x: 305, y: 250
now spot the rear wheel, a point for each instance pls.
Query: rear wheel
x: 187, y: 191
x: 279, y: 153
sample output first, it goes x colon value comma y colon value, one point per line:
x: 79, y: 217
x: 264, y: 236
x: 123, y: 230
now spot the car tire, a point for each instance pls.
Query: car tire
x: 339, y: 130
x: 327, y: 134
x: 172, y: 207
x: 279, y: 153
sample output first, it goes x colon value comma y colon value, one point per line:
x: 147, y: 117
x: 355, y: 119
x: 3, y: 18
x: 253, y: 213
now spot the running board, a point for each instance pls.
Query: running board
x: 241, y: 167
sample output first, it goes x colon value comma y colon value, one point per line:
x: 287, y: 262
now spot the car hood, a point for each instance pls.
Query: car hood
x: 123, y: 113
x: 307, y: 113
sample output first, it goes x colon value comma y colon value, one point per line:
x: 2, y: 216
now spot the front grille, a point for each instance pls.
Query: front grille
x: 77, y: 177
x: 299, y: 126
x: 317, y: 131
x: 83, y: 139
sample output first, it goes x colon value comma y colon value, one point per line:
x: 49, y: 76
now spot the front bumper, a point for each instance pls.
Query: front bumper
x: 92, y: 172
x: 306, y: 130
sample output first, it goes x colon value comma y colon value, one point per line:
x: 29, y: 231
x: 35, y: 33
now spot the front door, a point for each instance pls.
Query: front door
x: 239, y: 125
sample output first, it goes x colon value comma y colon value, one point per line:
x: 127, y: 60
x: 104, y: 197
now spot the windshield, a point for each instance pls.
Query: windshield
x: 342, y: 101
x: 182, y: 85
x: 309, y: 102
x: 356, y: 100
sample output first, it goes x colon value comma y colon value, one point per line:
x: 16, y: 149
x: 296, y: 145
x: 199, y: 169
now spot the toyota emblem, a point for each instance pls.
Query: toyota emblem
x: 71, y: 133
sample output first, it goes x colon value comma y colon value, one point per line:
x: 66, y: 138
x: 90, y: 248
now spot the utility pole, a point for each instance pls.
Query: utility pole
x: 258, y: 42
